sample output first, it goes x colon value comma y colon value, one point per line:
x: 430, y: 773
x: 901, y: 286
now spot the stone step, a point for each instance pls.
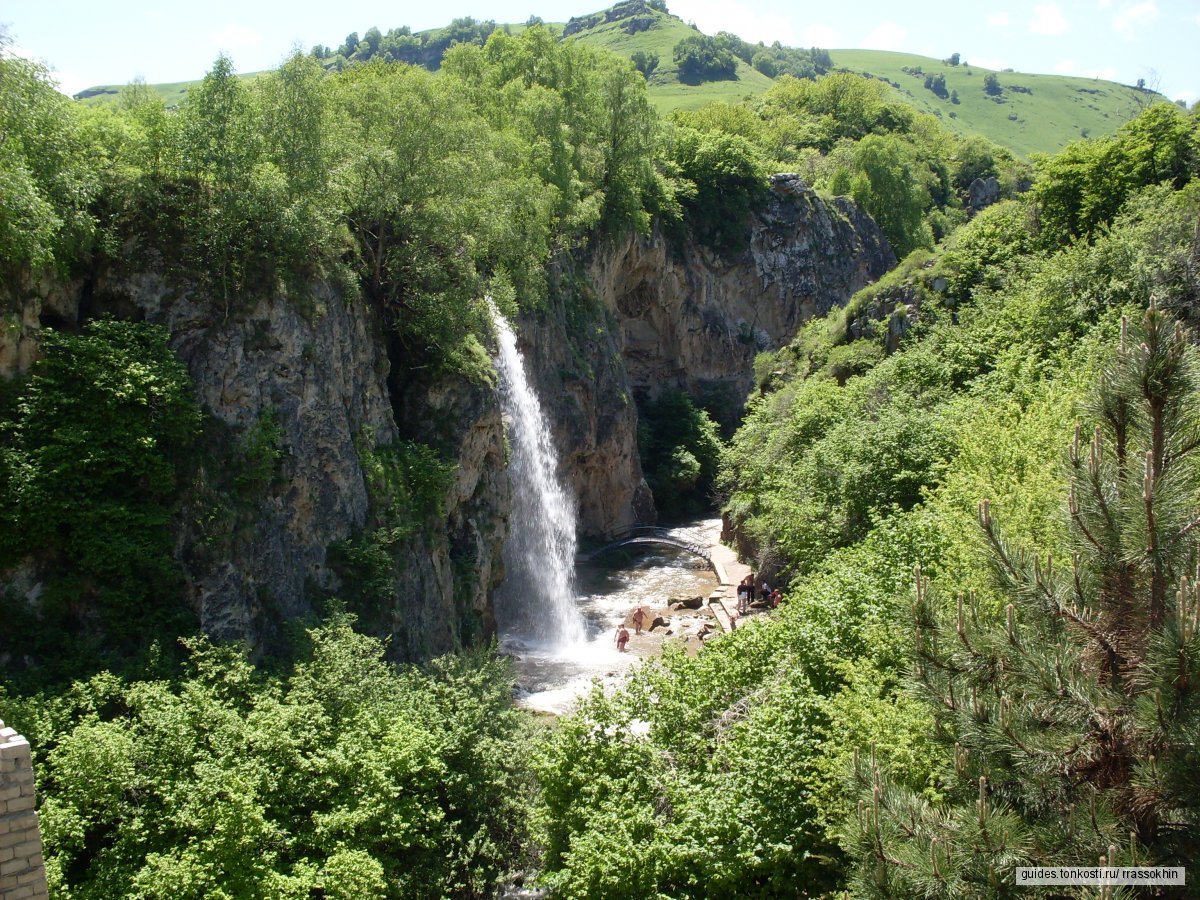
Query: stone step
x: 720, y: 615
x: 728, y: 605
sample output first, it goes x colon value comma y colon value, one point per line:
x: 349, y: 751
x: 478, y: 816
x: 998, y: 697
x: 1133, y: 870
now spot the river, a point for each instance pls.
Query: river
x: 551, y: 681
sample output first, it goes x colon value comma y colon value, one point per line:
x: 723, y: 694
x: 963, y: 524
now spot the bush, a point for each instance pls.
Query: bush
x: 340, y: 777
x: 91, y: 472
x: 701, y: 58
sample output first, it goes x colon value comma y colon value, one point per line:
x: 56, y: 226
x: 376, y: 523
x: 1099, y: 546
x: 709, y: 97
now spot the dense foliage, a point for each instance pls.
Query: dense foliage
x: 45, y: 181
x: 865, y: 453
x: 90, y: 468
x: 702, y: 58
x: 680, y: 447
x: 1073, y: 718
x: 340, y: 777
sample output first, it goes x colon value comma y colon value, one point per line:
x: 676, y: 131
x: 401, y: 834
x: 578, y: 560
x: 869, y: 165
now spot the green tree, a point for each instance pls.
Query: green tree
x: 889, y: 185
x: 680, y: 448
x: 991, y: 85
x: 1085, y: 184
x: 336, y: 776
x: 296, y: 126
x: 726, y: 176
x: 47, y: 176
x: 220, y: 138
x: 644, y: 62
x: 701, y: 58
x: 1072, y: 718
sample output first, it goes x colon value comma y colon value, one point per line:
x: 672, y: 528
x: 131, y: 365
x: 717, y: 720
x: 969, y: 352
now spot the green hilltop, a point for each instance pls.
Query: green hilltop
x: 1026, y: 113
x: 1031, y: 113
x: 658, y: 36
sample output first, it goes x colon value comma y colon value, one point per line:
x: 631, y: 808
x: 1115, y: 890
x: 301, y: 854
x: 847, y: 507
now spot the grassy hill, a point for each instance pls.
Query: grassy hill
x: 666, y: 91
x: 1031, y: 113
x: 172, y: 93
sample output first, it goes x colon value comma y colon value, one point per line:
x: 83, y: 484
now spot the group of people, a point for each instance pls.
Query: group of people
x: 639, y: 619
x: 746, y: 594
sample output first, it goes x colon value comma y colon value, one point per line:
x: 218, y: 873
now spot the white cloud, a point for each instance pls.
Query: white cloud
x: 1188, y: 97
x: 820, y: 36
x: 67, y: 82
x: 1127, y: 20
x: 235, y: 37
x: 1048, y: 19
x: 737, y: 18
x: 885, y: 36
x: 1108, y: 73
x: 1065, y: 67
x: 999, y: 20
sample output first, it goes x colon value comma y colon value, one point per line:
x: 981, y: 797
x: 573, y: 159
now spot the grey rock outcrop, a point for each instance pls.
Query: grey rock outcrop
x: 692, y: 320
x: 318, y: 367
x: 982, y: 193
x: 574, y: 356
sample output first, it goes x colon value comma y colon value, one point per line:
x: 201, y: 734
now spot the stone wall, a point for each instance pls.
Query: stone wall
x: 22, y: 871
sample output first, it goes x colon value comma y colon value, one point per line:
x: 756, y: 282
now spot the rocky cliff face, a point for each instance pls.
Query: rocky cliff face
x: 692, y: 320
x: 317, y: 368
x: 637, y: 318
x: 574, y: 357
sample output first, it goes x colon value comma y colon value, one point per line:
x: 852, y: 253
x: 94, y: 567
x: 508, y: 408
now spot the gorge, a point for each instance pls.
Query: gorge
x: 290, y: 513
x: 648, y: 316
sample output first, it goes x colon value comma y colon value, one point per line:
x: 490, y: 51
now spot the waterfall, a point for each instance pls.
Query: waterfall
x: 537, y: 599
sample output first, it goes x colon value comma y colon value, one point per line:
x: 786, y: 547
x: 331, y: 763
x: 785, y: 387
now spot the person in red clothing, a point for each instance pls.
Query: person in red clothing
x: 622, y: 637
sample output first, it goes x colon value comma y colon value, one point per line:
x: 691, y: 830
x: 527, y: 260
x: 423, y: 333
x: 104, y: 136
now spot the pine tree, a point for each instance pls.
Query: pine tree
x: 1072, y: 718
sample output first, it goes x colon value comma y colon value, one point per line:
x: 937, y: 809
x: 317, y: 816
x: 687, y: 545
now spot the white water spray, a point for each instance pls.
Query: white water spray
x: 537, y: 599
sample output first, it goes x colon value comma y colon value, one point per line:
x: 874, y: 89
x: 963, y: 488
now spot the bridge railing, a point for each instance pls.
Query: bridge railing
x: 693, y: 543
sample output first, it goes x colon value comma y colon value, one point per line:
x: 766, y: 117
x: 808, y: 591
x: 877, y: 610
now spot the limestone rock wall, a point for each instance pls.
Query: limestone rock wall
x: 22, y: 868
x: 634, y: 319
x: 318, y: 367
x: 573, y: 354
x: 693, y: 320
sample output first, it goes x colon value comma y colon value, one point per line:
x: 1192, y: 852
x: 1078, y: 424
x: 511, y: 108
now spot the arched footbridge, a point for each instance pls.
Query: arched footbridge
x: 679, y: 538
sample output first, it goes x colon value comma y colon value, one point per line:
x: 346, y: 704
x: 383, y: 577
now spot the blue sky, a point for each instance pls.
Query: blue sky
x: 90, y: 43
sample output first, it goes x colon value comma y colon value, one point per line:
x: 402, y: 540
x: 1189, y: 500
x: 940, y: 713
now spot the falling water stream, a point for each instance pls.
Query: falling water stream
x: 536, y: 603
x: 560, y: 632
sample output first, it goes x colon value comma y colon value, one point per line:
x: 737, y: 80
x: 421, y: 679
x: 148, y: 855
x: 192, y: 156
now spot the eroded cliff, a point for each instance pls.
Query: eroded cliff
x: 304, y: 381
x: 311, y: 383
x: 691, y: 319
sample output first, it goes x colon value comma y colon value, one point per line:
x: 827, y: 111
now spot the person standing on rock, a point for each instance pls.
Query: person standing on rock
x: 639, y: 617
x: 622, y: 637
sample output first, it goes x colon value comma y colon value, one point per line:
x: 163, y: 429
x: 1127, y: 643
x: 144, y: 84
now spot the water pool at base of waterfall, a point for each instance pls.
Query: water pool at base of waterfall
x: 552, y: 680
